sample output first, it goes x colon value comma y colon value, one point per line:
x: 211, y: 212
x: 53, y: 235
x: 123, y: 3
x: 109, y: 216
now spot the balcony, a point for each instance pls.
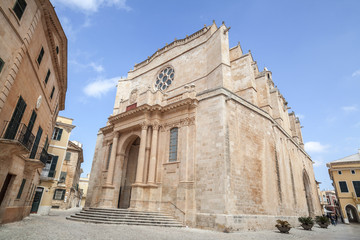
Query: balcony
x: 15, y: 140
x: 43, y: 155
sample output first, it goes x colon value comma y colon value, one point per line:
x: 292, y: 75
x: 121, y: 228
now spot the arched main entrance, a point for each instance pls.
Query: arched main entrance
x: 308, y: 196
x: 129, y: 173
x: 351, y: 213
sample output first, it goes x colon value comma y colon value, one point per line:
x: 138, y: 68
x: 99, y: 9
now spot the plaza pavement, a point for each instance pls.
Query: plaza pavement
x: 55, y: 226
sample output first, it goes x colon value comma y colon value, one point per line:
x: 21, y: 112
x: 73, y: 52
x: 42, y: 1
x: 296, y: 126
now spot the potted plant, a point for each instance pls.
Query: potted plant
x: 323, y: 221
x: 283, y: 226
x: 306, y: 222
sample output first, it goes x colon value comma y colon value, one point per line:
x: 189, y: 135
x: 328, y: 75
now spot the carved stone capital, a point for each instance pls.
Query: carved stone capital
x: 144, y: 125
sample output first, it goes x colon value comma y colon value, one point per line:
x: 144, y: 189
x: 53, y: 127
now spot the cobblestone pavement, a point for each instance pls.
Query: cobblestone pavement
x: 55, y: 226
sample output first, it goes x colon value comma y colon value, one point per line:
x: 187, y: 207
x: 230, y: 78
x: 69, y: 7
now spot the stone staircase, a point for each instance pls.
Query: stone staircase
x: 125, y: 216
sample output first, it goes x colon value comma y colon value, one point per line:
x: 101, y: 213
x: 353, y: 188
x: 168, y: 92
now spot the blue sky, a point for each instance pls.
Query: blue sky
x: 311, y: 47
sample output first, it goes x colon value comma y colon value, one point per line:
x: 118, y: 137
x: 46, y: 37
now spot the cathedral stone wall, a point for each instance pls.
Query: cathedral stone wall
x: 239, y: 162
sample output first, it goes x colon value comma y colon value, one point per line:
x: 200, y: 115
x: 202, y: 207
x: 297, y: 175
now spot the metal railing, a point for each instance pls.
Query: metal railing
x: 43, y: 155
x: 20, y: 134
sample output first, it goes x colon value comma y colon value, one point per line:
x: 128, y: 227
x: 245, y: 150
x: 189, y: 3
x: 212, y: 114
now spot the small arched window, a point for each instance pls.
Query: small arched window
x: 173, y: 145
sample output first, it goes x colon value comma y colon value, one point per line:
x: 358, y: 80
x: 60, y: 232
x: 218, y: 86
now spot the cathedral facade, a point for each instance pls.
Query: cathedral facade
x: 199, y: 132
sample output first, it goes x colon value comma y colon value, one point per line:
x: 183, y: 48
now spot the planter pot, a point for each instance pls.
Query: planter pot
x: 307, y: 226
x: 323, y: 225
x: 283, y: 229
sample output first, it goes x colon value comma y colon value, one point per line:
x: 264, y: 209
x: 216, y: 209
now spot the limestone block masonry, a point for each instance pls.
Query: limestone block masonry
x: 199, y: 132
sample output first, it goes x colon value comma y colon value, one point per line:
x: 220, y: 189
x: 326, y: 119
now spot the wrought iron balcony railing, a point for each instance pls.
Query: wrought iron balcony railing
x: 43, y: 155
x: 19, y: 133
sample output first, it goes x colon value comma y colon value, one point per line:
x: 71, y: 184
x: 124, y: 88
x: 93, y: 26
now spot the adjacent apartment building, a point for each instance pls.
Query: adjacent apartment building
x: 59, y: 185
x: 345, y: 173
x: 199, y: 131
x: 83, y: 185
x: 33, y: 84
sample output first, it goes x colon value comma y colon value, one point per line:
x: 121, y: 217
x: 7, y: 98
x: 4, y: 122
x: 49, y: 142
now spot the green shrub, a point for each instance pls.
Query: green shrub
x: 306, y: 220
x: 322, y: 219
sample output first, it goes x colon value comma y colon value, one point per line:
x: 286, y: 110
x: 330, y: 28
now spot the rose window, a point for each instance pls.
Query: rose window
x: 164, y: 79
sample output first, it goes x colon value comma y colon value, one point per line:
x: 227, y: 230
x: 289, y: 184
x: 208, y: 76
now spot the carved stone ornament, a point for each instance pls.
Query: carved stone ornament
x: 133, y: 96
x: 38, y: 102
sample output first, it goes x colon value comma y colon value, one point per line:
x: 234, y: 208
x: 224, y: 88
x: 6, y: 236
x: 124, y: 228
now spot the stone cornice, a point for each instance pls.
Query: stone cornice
x: 172, y: 45
x: 52, y: 26
x: 148, y: 108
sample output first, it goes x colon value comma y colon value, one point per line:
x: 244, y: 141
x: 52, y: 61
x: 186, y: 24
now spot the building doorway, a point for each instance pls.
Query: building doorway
x: 5, y: 187
x: 352, y: 214
x: 37, y: 200
x: 308, y: 194
x: 129, y: 174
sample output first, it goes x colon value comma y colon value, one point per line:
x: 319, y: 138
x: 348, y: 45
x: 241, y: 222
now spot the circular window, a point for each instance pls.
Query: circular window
x: 164, y: 79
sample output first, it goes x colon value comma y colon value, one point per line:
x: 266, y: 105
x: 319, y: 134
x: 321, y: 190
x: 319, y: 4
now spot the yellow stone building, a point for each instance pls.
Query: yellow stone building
x: 345, y: 173
x: 33, y: 84
x: 59, y: 185
x: 200, y: 132
x: 83, y: 185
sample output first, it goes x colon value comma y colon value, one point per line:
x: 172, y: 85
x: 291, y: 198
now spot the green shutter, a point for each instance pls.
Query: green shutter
x: 21, y: 189
x: 59, y: 135
x: 15, y: 119
x: 63, y: 195
x: 53, y: 166
x: 41, y: 54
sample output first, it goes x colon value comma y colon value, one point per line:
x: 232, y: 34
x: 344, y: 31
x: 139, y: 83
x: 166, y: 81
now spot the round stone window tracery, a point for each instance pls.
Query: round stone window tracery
x: 164, y: 79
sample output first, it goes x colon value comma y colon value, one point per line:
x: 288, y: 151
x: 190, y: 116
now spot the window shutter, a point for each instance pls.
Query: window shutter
x: 59, y: 135
x: 15, y: 119
x: 21, y: 189
x: 63, y: 195
x: 53, y: 166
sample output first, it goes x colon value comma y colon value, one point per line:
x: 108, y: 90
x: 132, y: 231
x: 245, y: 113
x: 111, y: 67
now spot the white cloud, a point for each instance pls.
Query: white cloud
x: 98, y: 68
x: 68, y: 28
x: 95, y: 66
x: 315, y: 147
x: 318, y: 162
x: 352, y: 108
x: 100, y: 87
x: 356, y: 73
x: 91, y: 6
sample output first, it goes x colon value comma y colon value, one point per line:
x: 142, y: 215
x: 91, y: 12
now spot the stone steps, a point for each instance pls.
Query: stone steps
x: 125, y: 216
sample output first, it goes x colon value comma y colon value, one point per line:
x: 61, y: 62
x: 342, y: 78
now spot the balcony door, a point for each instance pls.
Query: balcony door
x: 15, y: 119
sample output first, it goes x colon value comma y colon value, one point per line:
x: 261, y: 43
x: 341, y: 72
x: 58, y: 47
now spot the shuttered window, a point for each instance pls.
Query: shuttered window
x: 52, y: 93
x: 36, y: 143
x: 15, y: 119
x: 59, y: 194
x: 57, y: 134
x: 19, y: 8
x: 41, y: 54
x: 68, y: 156
x: 21, y: 189
x: 53, y: 166
x: 357, y: 188
x: 343, y: 186
x: 62, y: 177
x: 2, y: 63
x: 47, y: 76
x: 173, y: 145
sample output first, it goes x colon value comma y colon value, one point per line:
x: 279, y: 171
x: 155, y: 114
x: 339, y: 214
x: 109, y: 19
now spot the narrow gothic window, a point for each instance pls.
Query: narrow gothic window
x: 52, y: 92
x: 108, y: 157
x: 173, y: 145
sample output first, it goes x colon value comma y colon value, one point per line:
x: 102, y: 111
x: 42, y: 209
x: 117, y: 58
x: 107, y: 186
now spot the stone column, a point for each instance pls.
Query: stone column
x: 152, y: 164
x: 141, y: 157
x: 110, y: 173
